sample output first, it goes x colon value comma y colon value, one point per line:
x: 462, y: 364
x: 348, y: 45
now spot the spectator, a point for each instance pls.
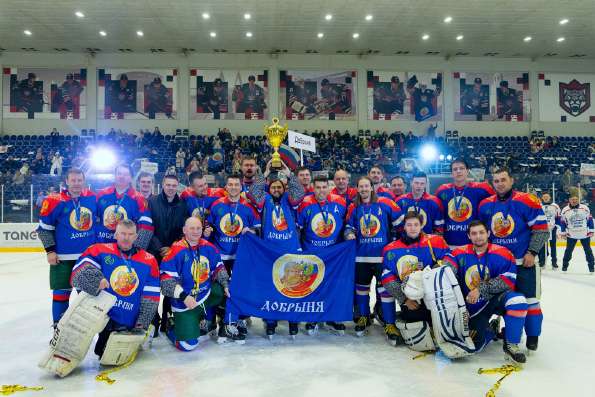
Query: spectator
x: 56, y: 168
x: 20, y: 174
x: 180, y: 159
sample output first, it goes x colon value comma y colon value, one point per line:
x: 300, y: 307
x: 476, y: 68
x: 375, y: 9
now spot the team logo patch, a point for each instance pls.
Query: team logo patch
x: 230, y: 228
x: 502, y: 227
x: 473, y: 278
x: 124, y: 282
x: 109, y: 260
x: 320, y: 227
x: 406, y: 265
x: 575, y: 98
x: 297, y: 276
x: 463, y: 213
x: 279, y: 221
x: 111, y: 217
x: 200, y: 272
x: 84, y: 222
x: 371, y: 228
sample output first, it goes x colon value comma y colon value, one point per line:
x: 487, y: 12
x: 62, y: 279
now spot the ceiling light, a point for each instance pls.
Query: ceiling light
x: 247, y: 16
x: 527, y: 39
x: 102, y: 33
x: 560, y: 39
x: 460, y: 37
x: 448, y: 20
x: 425, y: 36
x: 355, y: 35
x: 27, y: 32
x: 369, y: 17
x: 140, y: 33
x: 79, y: 14
x: 320, y: 35
x: 206, y: 15
x: 563, y: 21
x: 248, y: 34
x: 328, y: 17
x: 213, y: 34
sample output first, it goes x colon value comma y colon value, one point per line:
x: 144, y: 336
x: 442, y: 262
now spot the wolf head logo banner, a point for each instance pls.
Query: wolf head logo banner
x: 575, y: 98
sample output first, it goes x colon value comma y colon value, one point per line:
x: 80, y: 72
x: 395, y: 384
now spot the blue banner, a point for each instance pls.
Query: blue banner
x: 309, y: 286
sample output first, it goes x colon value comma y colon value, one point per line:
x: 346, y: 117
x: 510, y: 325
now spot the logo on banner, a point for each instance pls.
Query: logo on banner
x: 297, y: 276
x: 575, y: 98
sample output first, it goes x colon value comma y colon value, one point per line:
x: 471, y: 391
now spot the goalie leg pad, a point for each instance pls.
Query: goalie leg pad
x: 416, y: 335
x: 121, y: 346
x: 450, y: 319
x: 73, y: 335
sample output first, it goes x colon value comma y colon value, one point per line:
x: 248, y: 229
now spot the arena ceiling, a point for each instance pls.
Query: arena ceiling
x: 494, y: 28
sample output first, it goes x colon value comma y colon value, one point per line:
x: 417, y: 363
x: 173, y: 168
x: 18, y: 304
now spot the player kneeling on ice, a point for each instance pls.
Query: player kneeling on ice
x: 119, y: 286
x: 487, y: 275
x: 193, y: 275
x: 427, y: 292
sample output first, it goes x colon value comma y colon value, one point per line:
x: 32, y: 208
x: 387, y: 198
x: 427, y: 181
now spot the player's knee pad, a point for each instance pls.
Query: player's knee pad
x: 75, y: 331
x: 416, y: 335
x: 450, y: 319
x: 121, y: 347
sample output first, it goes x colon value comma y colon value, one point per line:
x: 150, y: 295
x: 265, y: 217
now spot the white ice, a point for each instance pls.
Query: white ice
x: 325, y: 365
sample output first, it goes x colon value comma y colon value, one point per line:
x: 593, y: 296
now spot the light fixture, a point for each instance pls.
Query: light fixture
x: 248, y: 34
x: 563, y: 21
x: 328, y: 17
x: 27, y: 32
x: 355, y: 35
x: 449, y: 157
x: 527, y: 39
x: 247, y: 16
x: 460, y: 37
x: 206, y: 15
x: 140, y: 33
x: 102, y: 33
x: 213, y: 34
x: 320, y: 35
x: 369, y: 17
x: 560, y: 39
x: 425, y: 36
x: 79, y: 14
x: 448, y: 20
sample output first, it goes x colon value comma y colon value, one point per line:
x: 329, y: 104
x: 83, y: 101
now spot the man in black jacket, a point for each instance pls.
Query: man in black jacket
x: 169, y: 213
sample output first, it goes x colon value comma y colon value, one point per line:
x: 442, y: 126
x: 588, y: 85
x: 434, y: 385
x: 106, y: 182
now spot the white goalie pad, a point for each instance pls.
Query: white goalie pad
x: 121, y: 346
x: 86, y: 316
x: 450, y: 319
x: 414, y: 286
x: 416, y: 335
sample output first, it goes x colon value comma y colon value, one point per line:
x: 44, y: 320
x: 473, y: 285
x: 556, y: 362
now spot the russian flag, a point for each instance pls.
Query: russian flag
x: 289, y: 156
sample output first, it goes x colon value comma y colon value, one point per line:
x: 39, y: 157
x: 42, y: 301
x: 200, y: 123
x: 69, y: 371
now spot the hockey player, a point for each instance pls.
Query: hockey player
x: 476, y: 99
x: 251, y: 98
x: 321, y: 219
x: 305, y: 178
x: 518, y: 223
x: 158, y: 99
x: 122, y: 96
x: 376, y: 175
x: 398, y: 186
x: 487, y: 276
x: 122, y: 201
x: 460, y: 201
x: 193, y: 275
x: 342, y: 187
x: 119, y: 286
x: 199, y: 197
x: 427, y: 205
x: 369, y: 220
x: 552, y: 213
x: 249, y: 169
x: 577, y: 225
x: 66, y: 229
x: 277, y: 213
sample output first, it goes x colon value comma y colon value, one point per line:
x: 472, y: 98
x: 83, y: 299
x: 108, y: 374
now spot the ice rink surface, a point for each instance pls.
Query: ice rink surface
x: 325, y: 365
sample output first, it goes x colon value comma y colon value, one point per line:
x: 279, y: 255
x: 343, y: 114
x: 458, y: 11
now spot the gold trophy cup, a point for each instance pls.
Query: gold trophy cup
x: 276, y: 134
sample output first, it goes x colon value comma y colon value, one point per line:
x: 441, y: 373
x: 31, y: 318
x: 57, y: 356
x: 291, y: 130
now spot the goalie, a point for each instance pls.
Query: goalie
x: 428, y: 294
x: 119, y: 286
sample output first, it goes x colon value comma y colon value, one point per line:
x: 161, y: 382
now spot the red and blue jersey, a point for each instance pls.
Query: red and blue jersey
x: 322, y: 223
x: 72, y: 220
x: 113, y: 207
x: 472, y: 269
x: 348, y: 196
x: 399, y: 259
x: 372, y: 223
x: 194, y: 268
x: 383, y: 191
x: 511, y: 221
x: 279, y: 222
x: 131, y: 278
x: 428, y: 206
x: 308, y: 191
x: 460, y: 206
x: 199, y: 206
x: 228, y: 219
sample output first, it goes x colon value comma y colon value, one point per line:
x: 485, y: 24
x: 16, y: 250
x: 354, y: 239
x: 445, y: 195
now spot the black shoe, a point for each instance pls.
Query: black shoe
x: 242, y: 327
x: 564, y: 268
x: 293, y: 329
x: 495, y: 327
x: 513, y: 352
x: 338, y: 328
x: 532, y: 342
x: 555, y: 266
